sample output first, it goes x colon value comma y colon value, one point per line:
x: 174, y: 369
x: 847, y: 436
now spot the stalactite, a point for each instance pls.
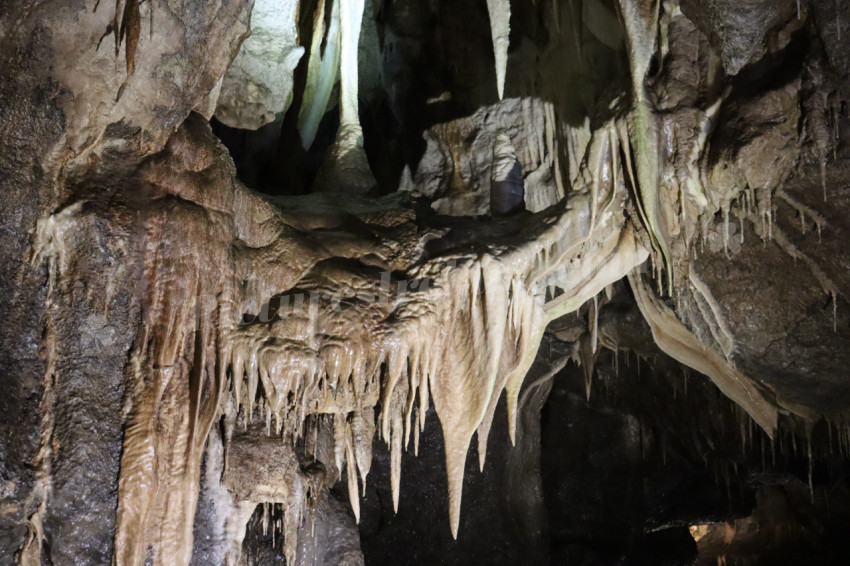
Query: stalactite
x: 803, y: 210
x: 345, y: 167
x: 500, y: 29
x: 363, y: 430
x: 643, y: 128
x: 588, y: 360
x: 322, y: 72
x: 351, y: 473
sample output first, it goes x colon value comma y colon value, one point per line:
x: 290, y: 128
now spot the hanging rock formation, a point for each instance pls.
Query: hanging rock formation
x: 345, y: 167
x: 322, y: 70
x: 500, y: 28
x: 258, y: 84
x: 195, y: 369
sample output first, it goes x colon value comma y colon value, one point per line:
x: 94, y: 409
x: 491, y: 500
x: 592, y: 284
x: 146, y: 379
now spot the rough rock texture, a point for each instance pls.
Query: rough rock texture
x: 832, y: 20
x: 634, y: 479
x: 331, y: 537
x: 740, y: 31
x: 633, y: 488
x: 69, y: 106
x: 257, y: 87
x: 456, y: 169
x: 805, y: 336
x: 192, y: 367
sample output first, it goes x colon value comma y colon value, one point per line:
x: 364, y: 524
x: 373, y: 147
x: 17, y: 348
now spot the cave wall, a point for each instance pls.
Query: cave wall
x: 125, y: 230
x: 76, y: 119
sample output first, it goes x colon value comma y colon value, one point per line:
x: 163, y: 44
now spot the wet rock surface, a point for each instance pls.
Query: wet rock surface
x: 802, y: 335
x: 166, y: 400
x: 739, y: 31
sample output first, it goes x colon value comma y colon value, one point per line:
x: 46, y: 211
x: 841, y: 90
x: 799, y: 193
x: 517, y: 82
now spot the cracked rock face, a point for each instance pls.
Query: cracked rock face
x: 200, y: 373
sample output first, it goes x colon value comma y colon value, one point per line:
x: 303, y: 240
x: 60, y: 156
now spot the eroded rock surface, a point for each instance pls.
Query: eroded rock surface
x: 193, y: 366
x: 257, y: 87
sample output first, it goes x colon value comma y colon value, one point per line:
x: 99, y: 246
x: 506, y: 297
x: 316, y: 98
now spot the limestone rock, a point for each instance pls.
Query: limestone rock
x: 456, y: 170
x: 737, y: 29
x: 258, y: 84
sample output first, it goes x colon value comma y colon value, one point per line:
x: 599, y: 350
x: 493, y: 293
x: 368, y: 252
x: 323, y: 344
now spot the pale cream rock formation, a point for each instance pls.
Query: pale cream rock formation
x: 345, y: 167
x: 322, y: 72
x: 500, y: 29
x: 257, y: 88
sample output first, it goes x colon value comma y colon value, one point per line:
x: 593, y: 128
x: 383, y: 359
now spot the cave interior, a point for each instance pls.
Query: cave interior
x: 419, y: 282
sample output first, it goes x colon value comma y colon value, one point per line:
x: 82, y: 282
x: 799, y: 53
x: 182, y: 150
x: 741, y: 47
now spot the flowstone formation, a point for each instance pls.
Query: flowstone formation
x: 345, y: 168
x: 272, y: 319
x: 195, y: 365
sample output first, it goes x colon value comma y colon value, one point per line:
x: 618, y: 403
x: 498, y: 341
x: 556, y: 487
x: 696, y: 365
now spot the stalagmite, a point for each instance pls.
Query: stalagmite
x: 500, y: 29
x: 345, y: 167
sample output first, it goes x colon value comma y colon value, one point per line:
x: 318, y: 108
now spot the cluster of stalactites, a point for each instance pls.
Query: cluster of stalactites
x: 454, y: 354
x: 460, y: 340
